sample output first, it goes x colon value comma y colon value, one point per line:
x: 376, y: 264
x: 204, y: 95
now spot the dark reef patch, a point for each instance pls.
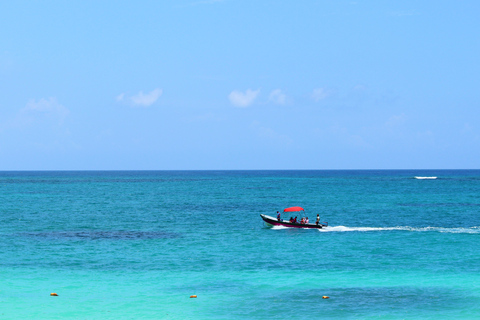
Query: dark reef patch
x: 101, y: 234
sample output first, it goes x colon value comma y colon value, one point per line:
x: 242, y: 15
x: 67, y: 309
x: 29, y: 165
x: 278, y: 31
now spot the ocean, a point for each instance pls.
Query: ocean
x: 138, y: 244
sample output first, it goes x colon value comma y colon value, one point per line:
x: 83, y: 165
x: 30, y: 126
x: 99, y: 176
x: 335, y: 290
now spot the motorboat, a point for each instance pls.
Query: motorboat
x: 271, y: 221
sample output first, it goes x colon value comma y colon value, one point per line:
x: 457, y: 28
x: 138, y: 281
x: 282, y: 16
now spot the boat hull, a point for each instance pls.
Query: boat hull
x: 274, y: 222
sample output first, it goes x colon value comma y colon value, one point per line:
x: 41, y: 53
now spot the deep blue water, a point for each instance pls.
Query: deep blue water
x: 137, y: 244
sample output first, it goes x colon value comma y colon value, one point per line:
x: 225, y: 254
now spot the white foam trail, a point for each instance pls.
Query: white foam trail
x: 399, y: 228
x: 426, y: 178
x: 279, y: 228
x: 472, y: 230
x: 364, y: 229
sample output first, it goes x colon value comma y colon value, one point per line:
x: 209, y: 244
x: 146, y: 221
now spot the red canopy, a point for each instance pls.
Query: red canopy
x: 293, y: 209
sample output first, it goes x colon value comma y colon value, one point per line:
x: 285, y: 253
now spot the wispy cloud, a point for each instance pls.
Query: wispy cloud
x: 271, y: 136
x: 395, y: 121
x: 209, y: 1
x: 201, y: 2
x: 360, y: 88
x: 470, y: 132
x: 6, y: 60
x: 43, y: 113
x: 343, y: 136
x: 40, y: 126
x: 49, y: 107
x: 406, y: 13
x: 240, y: 99
x: 278, y: 97
x: 120, y: 97
x: 141, y: 99
x: 148, y: 99
x: 319, y: 94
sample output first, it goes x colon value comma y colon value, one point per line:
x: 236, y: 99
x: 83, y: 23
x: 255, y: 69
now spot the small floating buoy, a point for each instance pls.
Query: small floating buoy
x: 325, y: 297
x: 194, y: 296
x: 53, y: 294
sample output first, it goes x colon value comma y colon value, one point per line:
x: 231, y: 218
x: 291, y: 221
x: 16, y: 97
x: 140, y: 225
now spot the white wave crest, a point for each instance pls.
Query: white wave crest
x: 425, y: 178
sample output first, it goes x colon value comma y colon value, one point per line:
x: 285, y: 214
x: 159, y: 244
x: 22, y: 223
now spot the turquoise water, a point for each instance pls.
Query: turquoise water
x: 137, y: 245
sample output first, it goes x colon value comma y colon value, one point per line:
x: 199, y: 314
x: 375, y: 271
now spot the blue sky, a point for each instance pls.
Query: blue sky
x: 239, y: 84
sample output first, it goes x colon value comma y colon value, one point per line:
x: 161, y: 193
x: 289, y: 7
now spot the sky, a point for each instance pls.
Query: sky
x: 239, y: 85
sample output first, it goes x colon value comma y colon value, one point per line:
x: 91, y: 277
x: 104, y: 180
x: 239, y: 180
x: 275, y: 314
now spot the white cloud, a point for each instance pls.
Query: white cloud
x: 48, y: 107
x: 278, y: 97
x: 320, y: 94
x: 148, y: 99
x: 141, y: 99
x: 241, y: 99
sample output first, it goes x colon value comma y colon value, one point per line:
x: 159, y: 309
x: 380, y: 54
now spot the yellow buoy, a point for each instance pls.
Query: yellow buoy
x: 53, y: 294
x: 194, y: 296
x: 325, y: 297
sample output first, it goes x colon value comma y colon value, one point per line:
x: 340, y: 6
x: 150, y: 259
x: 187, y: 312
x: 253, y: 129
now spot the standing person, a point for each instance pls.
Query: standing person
x: 278, y: 216
x: 318, y: 219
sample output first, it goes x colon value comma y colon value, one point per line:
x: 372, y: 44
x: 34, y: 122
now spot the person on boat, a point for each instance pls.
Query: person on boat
x: 278, y: 216
x: 302, y: 221
x: 295, y: 220
x: 306, y: 220
x: 318, y: 219
x: 291, y: 219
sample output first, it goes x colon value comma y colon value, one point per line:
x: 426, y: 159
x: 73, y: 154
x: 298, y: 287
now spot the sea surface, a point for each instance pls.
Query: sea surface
x: 138, y: 244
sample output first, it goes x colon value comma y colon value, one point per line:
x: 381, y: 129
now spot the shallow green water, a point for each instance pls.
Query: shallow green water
x: 133, y: 245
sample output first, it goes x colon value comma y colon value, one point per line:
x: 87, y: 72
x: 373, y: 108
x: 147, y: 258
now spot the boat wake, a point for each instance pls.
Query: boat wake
x: 472, y: 230
x: 425, y: 178
x: 280, y: 228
